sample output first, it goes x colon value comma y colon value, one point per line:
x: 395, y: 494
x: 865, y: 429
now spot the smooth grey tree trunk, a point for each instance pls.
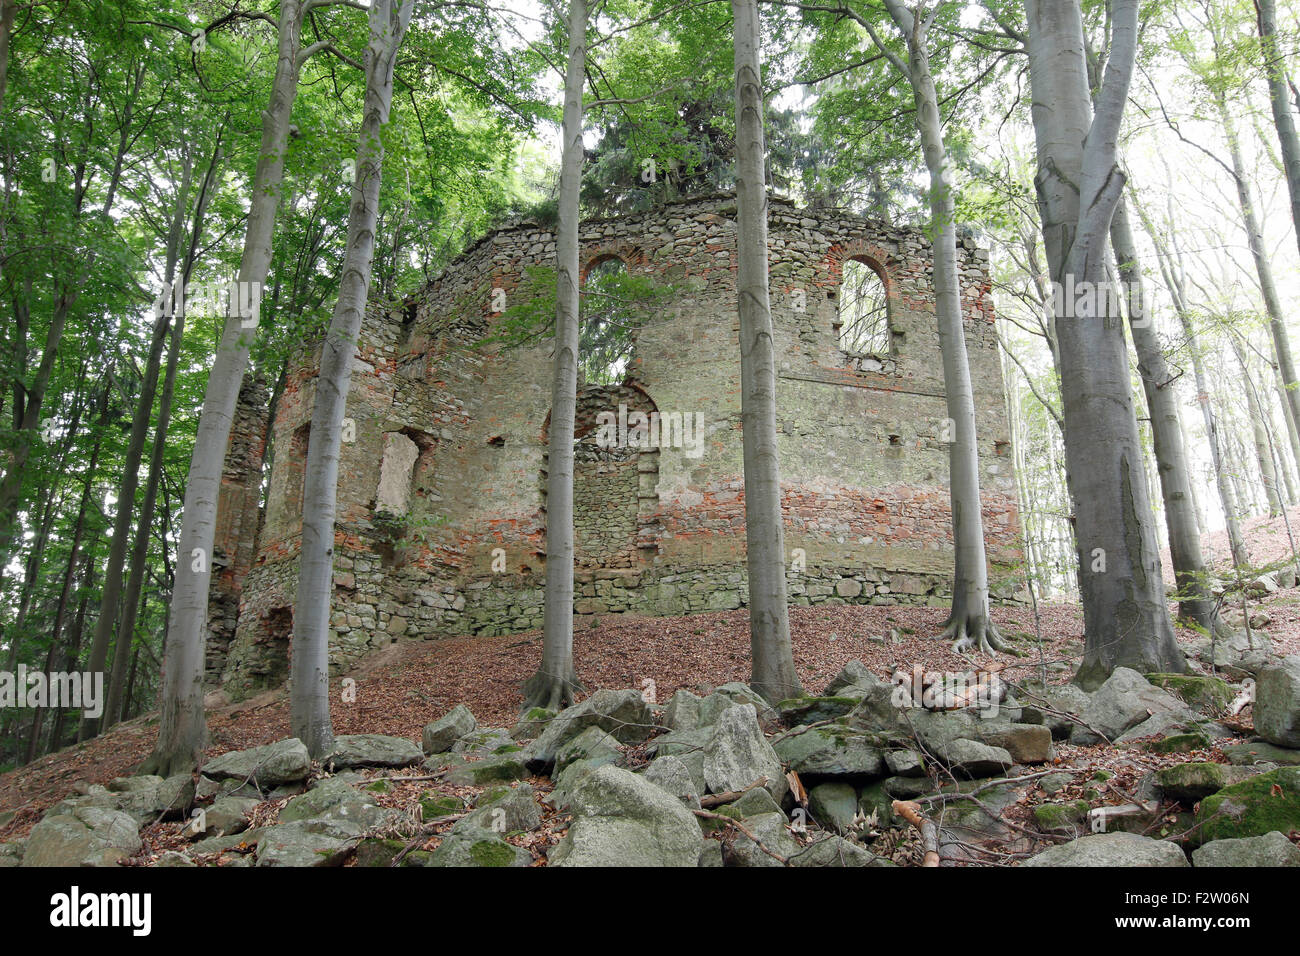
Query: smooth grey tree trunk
x: 309, y: 705
x: 1196, y: 604
x: 556, y: 681
x: 1263, y: 267
x: 969, y: 623
x: 1263, y: 449
x: 131, y: 602
x: 1283, y: 118
x: 1126, y: 620
x: 110, y: 597
x: 182, y: 730
x: 772, y: 657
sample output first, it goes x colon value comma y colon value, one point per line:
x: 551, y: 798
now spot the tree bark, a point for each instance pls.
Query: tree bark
x: 1126, y: 620
x: 309, y: 706
x: 1263, y: 447
x: 1195, y: 603
x: 182, y: 730
x: 1283, y: 119
x: 969, y: 622
x: 556, y: 681
x: 773, y: 673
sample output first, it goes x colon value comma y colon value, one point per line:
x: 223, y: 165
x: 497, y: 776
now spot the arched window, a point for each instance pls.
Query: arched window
x: 863, y: 319
x: 606, y: 336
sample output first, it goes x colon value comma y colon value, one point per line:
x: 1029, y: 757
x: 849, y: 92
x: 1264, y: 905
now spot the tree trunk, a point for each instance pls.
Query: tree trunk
x: 1263, y: 449
x: 1263, y: 268
x: 1126, y: 620
x: 309, y: 706
x: 1283, y: 119
x: 772, y: 658
x: 182, y: 730
x: 1196, y: 604
x: 114, y: 708
x: 556, y: 681
x: 969, y: 622
x: 107, y: 623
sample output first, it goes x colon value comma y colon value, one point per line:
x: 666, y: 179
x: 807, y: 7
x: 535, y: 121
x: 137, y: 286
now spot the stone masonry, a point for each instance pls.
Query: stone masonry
x: 441, y: 501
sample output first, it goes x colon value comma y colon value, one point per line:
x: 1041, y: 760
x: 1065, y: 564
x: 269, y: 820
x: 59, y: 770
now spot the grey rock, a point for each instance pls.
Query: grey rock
x: 905, y: 763
x: 504, y: 810
x: 285, y: 761
x: 85, y: 836
x: 485, y: 741
x: 836, y: 851
x: 621, y: 819
x: 772, y: 832
x: 1261, y: 752
x: 1125, y: 700
x: 336, y: 801
x: 671, y: 774
x: 447, y: 729
x: 737, y: 754
x: 372, y: 750
x: 319, y: 842
x: 971, y: 758
x: 830, y: 752
x: 621, y: 713
x: 477, y: 847
x: 1277, y: 702
x: 226, y: 815
x: 593, y: 744
x: 1111, y: 849
x: 1271, y: 849
x: 833, y: 805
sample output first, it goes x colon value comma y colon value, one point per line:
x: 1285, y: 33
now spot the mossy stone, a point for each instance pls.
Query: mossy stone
x: 1263, y: 803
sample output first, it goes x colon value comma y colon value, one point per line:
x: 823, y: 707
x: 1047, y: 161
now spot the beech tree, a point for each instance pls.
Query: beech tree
x: 309, y: 709
x: 1126, y: 620
x: 182, y: 729
x: 556, y: 680
x: 772, y: 657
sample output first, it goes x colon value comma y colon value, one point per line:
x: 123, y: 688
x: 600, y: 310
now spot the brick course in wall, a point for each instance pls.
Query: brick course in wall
x: 450, y: 430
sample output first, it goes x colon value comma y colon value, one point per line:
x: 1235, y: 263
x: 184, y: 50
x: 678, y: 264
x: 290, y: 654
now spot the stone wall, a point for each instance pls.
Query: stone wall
x: 441, y: 526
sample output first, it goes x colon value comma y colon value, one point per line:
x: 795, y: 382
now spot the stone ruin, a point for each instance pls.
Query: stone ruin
x: 442, y: 479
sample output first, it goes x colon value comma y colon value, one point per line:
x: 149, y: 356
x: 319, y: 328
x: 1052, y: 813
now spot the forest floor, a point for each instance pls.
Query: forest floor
x: 409, y: 684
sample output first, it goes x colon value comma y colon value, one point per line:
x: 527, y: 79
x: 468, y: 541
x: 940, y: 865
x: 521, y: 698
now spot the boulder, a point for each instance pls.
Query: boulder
x: 532, y: 723
x: 622, y: 819
x: 836, y: 851
x: 372, y: 750
x: 306, y: 843
x: 285, y: 761
x: 1124, y: 700
x: 773, y: 833
x: 501, y: 769
x: 593, y: 745
x: 671, y: 774
x: 621, y: 713
x: 1209, y: 695
x: 486, y: 741
x: 1049, y: 705
x: 854, y: 680
x: 1189, y: 783
x: 1277, y: 702
x: 812, y: 710
x: 970, y: 758
x: 85, y: 836
x: 475, y: 846
x: 831, y: 752
x: 1258, y: 752
x: 905, y: 763
x: 152, y: 798
x: 1111, y: 849
x: 335, y: 800
x: 447, y: 729
x: 1271, y: 849
x: 833, y: 805
x: 1026, y: 743
x: 226, y: 815
x: 504, y: 810
x: 737, y: 754
x: 1253, y: 807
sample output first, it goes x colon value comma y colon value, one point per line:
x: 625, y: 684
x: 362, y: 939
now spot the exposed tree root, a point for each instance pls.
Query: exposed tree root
x: 552, y: 691
x: 974, y: 632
